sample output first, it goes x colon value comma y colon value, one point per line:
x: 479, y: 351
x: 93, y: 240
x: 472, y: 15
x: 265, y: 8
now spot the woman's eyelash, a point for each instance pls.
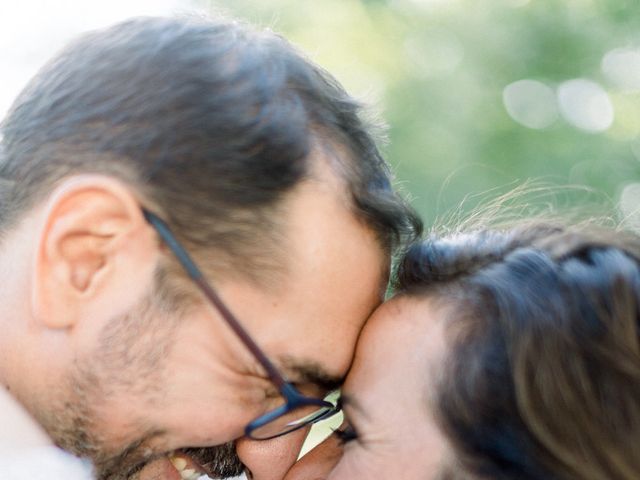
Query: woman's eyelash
x: 345, y: 435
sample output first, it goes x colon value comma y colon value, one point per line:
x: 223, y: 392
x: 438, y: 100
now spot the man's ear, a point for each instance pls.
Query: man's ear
x: 96, y: 254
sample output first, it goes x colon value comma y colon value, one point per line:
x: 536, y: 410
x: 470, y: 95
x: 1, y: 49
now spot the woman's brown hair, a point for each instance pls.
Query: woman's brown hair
x: 542, y: 380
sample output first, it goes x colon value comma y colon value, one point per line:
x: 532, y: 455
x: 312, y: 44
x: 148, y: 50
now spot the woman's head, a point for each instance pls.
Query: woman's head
x: 505, y: 355
x: 542, y: 372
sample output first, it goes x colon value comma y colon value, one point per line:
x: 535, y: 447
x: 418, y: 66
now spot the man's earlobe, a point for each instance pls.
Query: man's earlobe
x: 96, y: 253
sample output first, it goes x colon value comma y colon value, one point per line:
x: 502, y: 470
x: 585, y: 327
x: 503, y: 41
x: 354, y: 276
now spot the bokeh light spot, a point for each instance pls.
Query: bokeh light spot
x: 530, y: 103
x: 585, y: 105
x: 622, y: 67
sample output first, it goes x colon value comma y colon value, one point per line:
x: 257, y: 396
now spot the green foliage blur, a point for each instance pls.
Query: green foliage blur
x: 437, y: 72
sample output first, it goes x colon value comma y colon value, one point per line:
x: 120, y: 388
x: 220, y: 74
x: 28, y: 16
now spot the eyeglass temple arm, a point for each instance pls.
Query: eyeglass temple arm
x: 196, y: 275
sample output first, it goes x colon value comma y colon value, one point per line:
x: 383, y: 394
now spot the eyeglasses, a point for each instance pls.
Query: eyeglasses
x: 298, y: 411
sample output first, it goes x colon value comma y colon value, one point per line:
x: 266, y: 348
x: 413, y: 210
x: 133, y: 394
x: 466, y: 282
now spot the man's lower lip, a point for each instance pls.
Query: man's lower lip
x: 178, y: 467
x: 160, y: 469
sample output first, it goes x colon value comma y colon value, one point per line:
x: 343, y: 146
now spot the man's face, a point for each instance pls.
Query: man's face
x: 156, y: 382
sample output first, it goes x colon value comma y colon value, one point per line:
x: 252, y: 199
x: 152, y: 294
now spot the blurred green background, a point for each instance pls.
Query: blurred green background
x: 481, y: 95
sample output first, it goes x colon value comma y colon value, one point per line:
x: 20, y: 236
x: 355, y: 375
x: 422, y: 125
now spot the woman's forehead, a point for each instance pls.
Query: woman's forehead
x: 399, y: 344
x: 402, y: 319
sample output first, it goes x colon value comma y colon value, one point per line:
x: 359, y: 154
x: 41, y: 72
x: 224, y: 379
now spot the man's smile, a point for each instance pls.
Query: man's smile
x: 177, y: 467
x: 188, y: 468
x: 192, y: 463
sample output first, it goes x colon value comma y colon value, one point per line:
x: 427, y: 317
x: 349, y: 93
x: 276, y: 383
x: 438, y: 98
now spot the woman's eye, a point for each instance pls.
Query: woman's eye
x: 345, y: 434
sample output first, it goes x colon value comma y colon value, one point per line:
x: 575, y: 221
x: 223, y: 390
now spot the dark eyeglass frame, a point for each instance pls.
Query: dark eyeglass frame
x: 294, y: 399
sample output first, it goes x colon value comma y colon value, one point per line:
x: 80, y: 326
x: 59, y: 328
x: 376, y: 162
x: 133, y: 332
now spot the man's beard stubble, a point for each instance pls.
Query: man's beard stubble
x: 221, y: 461
x: 129, y: 361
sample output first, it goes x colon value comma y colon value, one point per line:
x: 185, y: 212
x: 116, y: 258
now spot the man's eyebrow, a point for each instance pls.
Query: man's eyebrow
x: 314, y: 374
x: 348, y: 400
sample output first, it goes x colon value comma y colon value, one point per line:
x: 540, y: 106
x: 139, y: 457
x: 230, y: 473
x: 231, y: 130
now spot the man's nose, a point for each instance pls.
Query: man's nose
x: 270, y: 459
x: 318, y: 463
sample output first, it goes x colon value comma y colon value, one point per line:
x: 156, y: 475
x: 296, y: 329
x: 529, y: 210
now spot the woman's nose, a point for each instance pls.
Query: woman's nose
x: 318, y: 463
x: 270, y: 459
